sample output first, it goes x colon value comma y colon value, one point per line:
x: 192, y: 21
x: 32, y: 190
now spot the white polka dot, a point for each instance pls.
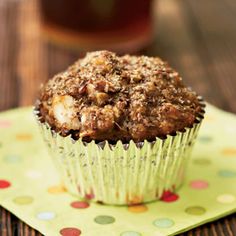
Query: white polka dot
x: 230, y: 129
x: 226, y: 198
x: 33, y: 174
x: 163, y: 223
x: 47, y: 215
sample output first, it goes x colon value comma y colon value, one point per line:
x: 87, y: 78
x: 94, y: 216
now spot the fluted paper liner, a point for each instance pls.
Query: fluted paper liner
x: 121, y: 173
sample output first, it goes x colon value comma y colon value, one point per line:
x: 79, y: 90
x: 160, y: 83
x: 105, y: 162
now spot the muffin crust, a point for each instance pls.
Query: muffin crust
x: 106, y: 97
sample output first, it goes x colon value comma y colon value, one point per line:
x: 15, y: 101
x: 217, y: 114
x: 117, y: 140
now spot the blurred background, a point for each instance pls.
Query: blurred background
x: 39, y: 38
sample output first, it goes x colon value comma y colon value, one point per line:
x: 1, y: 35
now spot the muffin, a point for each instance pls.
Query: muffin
x: 120, y: 129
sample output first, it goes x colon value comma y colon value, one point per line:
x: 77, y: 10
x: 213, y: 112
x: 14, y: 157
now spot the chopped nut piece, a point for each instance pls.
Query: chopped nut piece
x: 101, y: 98
x: 63, y: 110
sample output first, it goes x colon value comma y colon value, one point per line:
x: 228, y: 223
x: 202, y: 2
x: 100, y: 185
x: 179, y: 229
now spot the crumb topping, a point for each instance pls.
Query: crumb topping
x: 106, y: 97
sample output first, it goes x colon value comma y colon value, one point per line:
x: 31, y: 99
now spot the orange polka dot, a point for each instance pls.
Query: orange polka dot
x: 23, y: 137
x: 56, y: 189
x: 138, y: 208
x: 229, y: 151
x: 134, y: 200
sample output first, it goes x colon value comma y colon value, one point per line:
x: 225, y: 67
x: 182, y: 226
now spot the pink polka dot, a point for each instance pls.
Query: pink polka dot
x: 199, y: 184
x: 5, y: 123
x: 79, y: 205
x: 89, y: 196
x: 168, y: 196
x: 4, y: 184
x: 70, y: 232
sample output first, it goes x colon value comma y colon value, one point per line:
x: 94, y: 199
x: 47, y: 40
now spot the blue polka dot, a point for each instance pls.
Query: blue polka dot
x: 47, y: 215
x: 163, y: 223
x: 227, y: 173
x: 12, y: 159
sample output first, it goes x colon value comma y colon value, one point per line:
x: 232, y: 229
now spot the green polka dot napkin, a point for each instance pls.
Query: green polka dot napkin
x: 30, y: 187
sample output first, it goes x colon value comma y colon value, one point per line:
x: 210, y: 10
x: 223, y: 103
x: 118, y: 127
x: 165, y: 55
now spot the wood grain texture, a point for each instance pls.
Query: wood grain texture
x: 8, y: 49
x: 198, y: 38
x: 31, y: 57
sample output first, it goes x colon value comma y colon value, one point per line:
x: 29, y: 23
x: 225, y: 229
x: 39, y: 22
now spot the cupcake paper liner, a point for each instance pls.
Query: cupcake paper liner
x: 122, y: 173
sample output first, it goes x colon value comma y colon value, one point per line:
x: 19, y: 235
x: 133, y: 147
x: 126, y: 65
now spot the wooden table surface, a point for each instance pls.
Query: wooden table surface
x: 198, y: 38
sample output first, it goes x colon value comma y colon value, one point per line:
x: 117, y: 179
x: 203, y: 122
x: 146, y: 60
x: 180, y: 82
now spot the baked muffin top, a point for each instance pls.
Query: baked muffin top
x: 106, y: 97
